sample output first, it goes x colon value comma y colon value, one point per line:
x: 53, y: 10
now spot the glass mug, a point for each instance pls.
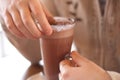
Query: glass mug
x: 55, y: 47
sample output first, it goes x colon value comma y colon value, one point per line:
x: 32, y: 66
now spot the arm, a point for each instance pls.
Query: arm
x: 27, y: 44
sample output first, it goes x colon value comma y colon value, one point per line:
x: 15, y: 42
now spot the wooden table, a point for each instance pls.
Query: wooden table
x: 17, y: 68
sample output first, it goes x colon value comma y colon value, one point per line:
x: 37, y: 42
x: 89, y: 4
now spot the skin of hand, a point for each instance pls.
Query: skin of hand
x: 19, y: 17
x: 85, y: 69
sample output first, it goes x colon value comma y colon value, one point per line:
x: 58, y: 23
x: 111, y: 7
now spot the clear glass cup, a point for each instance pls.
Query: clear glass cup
x: 55, y: 47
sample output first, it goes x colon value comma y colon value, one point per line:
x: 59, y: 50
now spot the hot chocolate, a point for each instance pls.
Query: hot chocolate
x: 55, y: 47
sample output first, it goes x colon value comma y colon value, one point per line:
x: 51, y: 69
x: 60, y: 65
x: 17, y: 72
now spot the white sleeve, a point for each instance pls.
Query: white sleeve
x: 114, y: 75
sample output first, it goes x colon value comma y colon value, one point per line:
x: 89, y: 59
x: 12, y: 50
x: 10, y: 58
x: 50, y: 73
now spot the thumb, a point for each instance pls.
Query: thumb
x: 64, y: 65
x: 78, y: 59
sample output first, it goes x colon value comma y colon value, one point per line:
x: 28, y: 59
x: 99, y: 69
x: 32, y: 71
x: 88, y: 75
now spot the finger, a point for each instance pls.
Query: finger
x: 49, y: 16
x: 19, y: 24
x: 39, y: 14
x: 64, y: 66
x: 79, y: 60
x: 28, y: 21
x: 11, y: 26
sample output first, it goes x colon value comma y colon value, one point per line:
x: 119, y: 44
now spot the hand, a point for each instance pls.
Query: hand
x: 85, y: 69
x: 19, y: 15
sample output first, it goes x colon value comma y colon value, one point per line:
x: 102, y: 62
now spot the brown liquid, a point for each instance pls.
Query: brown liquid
x: 54, y: 49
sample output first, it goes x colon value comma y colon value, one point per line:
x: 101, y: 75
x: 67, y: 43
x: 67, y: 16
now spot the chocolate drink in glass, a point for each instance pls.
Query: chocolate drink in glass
x: 55, y: 47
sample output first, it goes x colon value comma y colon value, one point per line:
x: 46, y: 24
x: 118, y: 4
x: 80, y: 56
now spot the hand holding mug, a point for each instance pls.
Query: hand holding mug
x: 85, y: 69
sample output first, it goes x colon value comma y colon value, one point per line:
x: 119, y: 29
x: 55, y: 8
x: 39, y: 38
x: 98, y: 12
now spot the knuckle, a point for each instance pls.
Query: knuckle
x: 19, y: 2
x: 37, y: 13
x: 18, y: 24
x: 9, y: 26
x: 11, y: 7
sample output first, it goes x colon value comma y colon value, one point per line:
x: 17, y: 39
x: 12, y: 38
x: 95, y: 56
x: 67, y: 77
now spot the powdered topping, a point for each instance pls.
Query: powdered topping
x: 63, y: 24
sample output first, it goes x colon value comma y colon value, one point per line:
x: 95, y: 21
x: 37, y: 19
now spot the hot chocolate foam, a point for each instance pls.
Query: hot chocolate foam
x: 63, y: 24
x: 62, y: 28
